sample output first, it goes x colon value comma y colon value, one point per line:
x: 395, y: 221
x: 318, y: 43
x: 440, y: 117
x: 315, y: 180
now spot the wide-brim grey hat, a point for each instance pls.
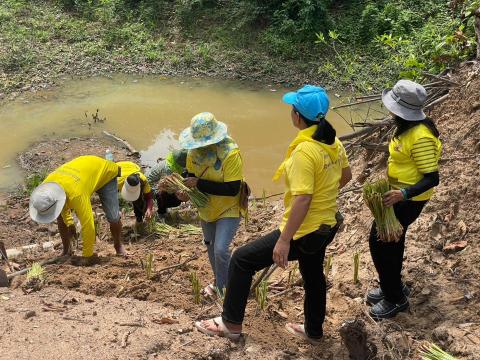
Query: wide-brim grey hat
x: 406, y: 100
x: 47, y: 202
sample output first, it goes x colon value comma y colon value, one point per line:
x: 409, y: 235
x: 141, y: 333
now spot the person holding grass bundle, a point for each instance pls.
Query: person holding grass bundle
x: 315, y: 168
x: 175, y: 162
x: 215, y: 167
x: 412, y: 174
x: 134, y: 187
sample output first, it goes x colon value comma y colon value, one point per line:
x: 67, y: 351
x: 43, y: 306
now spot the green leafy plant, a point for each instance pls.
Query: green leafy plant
x: 34, y: 180
x: 36, y: 272
x: 261, y: 294
x: 388, y: 227
x: 196, y: 288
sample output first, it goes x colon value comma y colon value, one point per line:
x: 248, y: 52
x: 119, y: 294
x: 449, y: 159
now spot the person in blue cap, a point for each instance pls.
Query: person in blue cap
x: 315, y: 168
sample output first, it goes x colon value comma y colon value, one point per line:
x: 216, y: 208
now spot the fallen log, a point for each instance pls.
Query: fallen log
x: 441, y: 78
x: 356, y: 103
x: 437, y: 101
x: 367, y: 130
x: 125, y: 143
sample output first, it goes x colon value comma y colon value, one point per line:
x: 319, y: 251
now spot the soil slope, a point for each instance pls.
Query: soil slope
x: 441, y: 267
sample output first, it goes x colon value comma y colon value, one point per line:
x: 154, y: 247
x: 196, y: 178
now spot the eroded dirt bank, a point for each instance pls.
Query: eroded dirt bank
x: 80, y: 305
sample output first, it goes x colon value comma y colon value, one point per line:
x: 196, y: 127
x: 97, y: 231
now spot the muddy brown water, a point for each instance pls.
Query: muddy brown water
x: 149, y: 112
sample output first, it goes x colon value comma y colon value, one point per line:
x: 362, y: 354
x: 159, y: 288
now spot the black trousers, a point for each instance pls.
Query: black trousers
x: 257, y: 255
x: 164, y: 201
x: 388, y: 256
x: 140, y: 207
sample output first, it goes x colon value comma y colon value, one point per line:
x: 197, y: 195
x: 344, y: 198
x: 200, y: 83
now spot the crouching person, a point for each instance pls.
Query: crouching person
x: 315, y: 168
x: 70, y: 187
x: 134, y: 187
x: 175, y: 162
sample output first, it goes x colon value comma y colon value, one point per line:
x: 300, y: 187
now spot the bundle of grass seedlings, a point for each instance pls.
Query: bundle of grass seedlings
x: 433, y: 352
x: 174, y: 183
x: 388, y: 227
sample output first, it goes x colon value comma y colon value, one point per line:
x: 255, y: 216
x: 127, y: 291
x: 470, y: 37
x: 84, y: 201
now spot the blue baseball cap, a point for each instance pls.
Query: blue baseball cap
x: 311, y: 101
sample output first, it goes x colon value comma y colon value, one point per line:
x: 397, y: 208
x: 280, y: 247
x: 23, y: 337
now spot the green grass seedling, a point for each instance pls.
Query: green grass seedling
x: 261, y: 294
x: 195, y: 287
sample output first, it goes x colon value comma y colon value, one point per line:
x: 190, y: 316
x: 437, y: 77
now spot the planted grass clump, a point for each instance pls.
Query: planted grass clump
x: 388, y: 227
x: 196, y: 288
x: 261, y: 294
x: 356, y: 266
x: 174, y: 183
x: 35, y: 277
x: 433, y: 352
x: 328, y: 266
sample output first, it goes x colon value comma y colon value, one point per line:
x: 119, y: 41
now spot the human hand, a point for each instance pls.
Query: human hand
x: 280, y: 252
x: 149, y: 213
x: 392, y: 197
x: 182, y: 196
x: 190, y: 182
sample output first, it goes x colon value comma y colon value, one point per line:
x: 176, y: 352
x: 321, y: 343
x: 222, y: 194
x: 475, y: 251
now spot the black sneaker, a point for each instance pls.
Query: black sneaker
x: 385, y: 309
x: 376, y: 294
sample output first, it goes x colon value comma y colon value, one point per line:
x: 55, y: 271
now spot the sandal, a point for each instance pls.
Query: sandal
x: 301, y: 334
x: 221, y: 330
x: 209, y: 291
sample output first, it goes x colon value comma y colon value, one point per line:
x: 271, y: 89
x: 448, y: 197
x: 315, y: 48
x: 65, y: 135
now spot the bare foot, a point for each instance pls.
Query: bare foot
x: 120, y: 250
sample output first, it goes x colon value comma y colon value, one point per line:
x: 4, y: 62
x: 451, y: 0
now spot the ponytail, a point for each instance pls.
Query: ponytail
x: 324, y: 132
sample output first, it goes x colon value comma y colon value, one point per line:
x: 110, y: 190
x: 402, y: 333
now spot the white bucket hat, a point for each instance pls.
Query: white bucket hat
x: 406, y: 100
x: 46, y: 202
x: 131, y: 188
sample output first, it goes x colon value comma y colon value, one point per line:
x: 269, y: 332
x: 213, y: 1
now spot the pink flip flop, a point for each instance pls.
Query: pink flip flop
x: 209, y: 291
x: 221, y: 330
x: 301, y: 334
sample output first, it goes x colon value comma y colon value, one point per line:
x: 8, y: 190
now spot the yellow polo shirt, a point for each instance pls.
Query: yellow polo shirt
x: 412, y: 154
x: 80, y: 178
x: 128, y: 168
x: 219, y: 207
x: 314, y: 169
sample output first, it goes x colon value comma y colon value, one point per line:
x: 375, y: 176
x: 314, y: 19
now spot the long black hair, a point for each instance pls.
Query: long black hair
x: 324, y: 133
x: 404, y: 125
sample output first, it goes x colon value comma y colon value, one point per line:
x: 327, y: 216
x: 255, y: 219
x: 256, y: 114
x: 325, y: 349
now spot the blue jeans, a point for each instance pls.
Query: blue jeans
x: 109, y: 198
x: 218, y: 236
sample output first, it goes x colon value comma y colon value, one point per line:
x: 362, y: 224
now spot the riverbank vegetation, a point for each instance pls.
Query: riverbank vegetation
x: 359, y: 44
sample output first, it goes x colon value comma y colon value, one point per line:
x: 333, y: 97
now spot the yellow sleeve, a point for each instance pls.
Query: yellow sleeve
x: 301, y: 173
x: 343, y: 157
x: 233, y: 167
x: 424, y: 153
x: 67, y: 216
x: 83, y: 208
x: 146, y: 186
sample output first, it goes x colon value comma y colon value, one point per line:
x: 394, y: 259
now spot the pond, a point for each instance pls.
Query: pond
x: 149, y: 112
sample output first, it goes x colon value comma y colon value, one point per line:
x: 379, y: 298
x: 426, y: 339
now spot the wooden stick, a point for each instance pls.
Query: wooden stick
x: 441, y: 78
x: 42, y: 263
x: 263, y: 276
x: 355, y: 103
x: 368, y: 96
x: 366, y: 130
x: 436, y: 102
x: 177, y: 265
x: 129, y: 147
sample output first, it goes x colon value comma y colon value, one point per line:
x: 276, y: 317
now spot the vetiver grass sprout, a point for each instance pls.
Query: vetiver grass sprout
x: 388, y: 227
x: 261, y: 294
x: 356, y: 265
x: 149, y: 265
x: 174, y: 183
x: 195, y: 287
x: 433, y: 352
x: 328, y: 266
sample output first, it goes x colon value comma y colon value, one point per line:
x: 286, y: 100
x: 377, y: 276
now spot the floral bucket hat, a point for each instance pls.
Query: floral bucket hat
x: 204, y: 130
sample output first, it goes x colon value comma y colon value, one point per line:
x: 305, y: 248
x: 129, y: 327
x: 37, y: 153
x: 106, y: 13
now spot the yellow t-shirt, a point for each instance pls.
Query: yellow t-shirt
x: 128, y: 168
x: 219, y: 207
x: 414, y: 153
x: 314, y: 169
x: 80, y: 178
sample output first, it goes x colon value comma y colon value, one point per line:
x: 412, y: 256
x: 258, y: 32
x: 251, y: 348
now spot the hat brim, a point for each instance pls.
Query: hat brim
x: 130, y: 195
x: 400, y: 110
x: 188, y: 142
x: 57, y: 193
x: 290, y: 98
